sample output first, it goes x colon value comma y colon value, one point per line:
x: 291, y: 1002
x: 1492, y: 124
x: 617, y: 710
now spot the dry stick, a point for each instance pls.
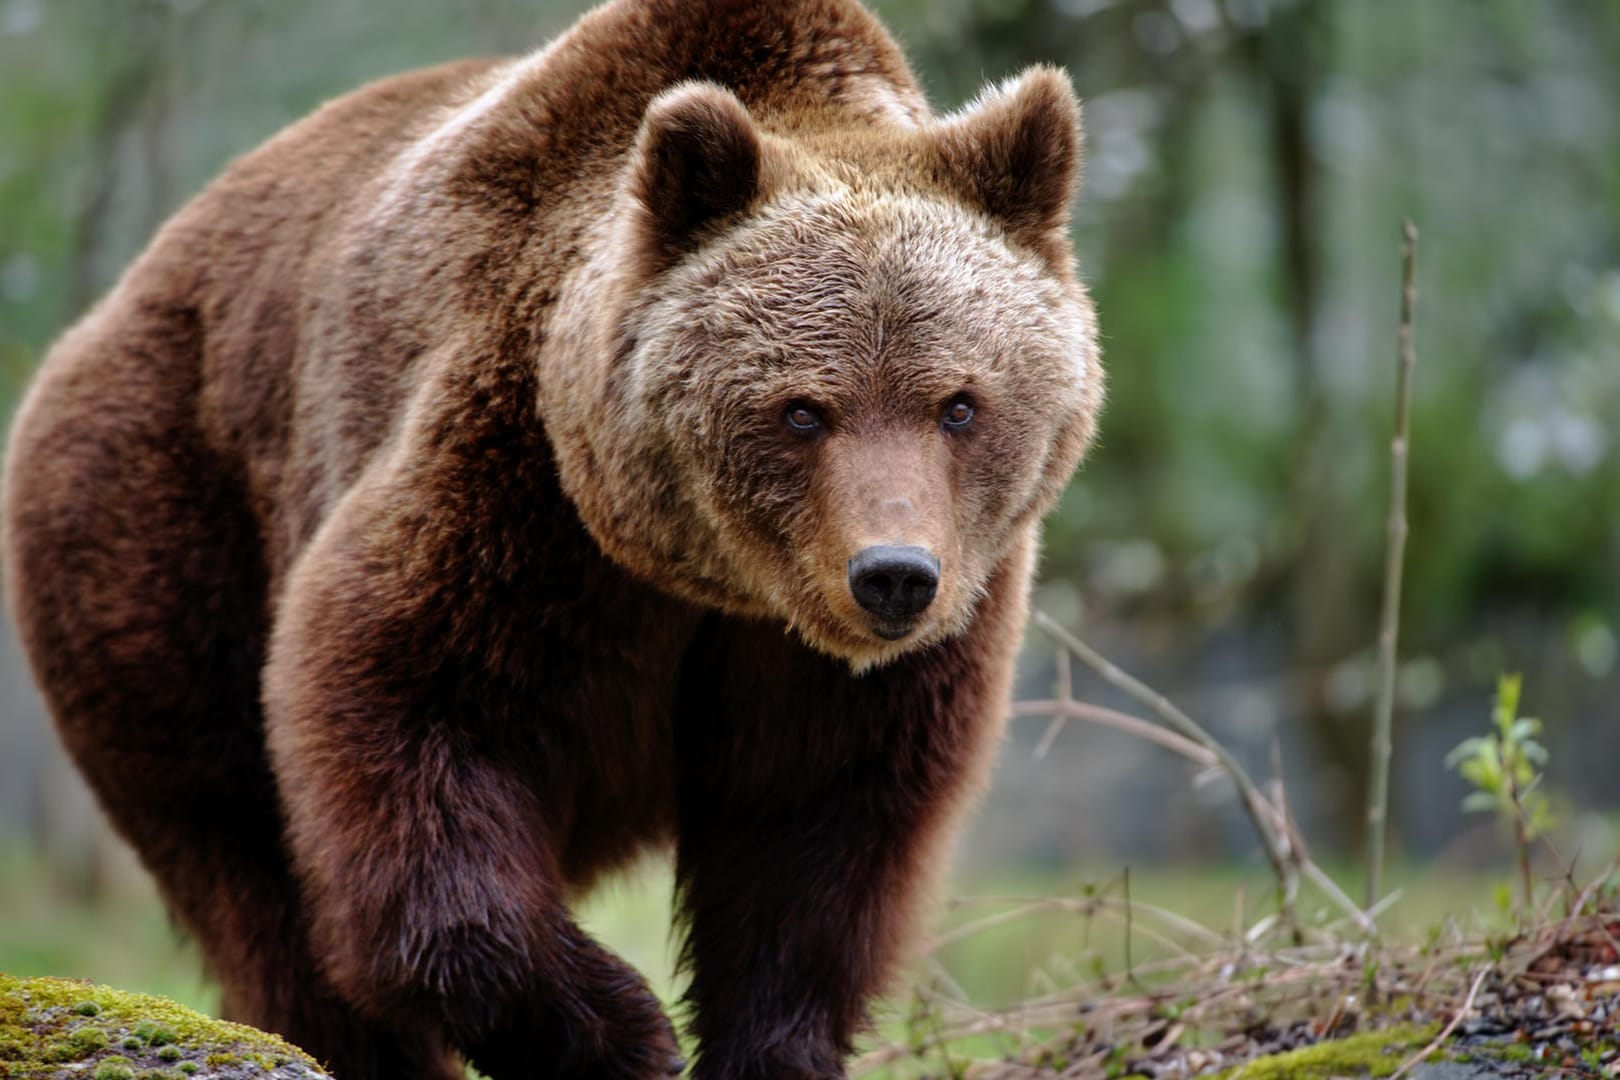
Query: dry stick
x: 1027, y: 906
x: 1439, y: 1040
x: 1064, y: 710
x: 1284, y: 823
x: 1394, y: 556
x: 1064, y: 691
x: 1254, y: 803
x: 1597, y: 883
x: 1283, y: 846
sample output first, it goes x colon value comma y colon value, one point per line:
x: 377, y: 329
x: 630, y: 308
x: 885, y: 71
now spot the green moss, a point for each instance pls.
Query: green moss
x: 1517, y: 1053
x: 114, y: 1068
x: 47, y: 1022
x: 1371, y: 1054
x: 154, y: 1034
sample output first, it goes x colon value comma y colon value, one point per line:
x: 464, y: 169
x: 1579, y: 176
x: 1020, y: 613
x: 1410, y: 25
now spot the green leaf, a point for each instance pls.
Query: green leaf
x: 1524, y: 729
x: 1507, y: 701
x: 1466, y: 749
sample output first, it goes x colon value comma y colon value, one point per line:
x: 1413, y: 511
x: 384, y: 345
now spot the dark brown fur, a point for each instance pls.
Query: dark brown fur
x: 413, y: 535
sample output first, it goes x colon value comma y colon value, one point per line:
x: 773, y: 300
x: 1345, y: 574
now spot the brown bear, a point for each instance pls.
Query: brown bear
x: 516, y: 466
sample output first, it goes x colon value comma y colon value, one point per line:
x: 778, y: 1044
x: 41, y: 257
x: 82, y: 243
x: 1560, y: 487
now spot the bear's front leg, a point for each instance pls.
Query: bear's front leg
x: 816, y: 807
x: 406, y: 755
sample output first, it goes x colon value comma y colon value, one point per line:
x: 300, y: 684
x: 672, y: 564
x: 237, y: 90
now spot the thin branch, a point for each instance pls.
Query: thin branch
x: 1363, y: 918
x: 1133, y: 725
x: 1597, y: 883
x: 1254, y: 803
x: 1439, y: 1040
x: 1092, y: 905
x: 1064, y: 692
x: 1283, y: 821
x: 1394, y: 558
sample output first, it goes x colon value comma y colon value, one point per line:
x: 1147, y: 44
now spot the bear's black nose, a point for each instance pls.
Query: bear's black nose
x: 892, y: 581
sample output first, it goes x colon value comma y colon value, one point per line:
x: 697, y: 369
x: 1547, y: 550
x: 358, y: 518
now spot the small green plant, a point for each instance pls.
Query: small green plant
x: 114, y: 1068
x: 154, y: 1034
x: 1504, y: 769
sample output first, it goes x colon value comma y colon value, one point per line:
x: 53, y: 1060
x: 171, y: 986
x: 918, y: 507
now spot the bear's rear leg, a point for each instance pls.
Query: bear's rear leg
x: 134, y: 571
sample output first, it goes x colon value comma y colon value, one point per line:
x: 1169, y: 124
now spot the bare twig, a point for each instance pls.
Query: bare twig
x: 1026, y: 906
x: 1254, y: 803
x: 1596, y: 884
x: 1363, y: 918
x: 1061, y: 711
x: 1284, y: 822
x: 1281, y: 842
x: 1394, y: 557
x: 1440, y: 1040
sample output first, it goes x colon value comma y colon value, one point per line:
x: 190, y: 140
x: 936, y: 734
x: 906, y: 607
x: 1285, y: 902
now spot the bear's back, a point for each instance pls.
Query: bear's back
x: 320, y: 269
x: 211, y: 320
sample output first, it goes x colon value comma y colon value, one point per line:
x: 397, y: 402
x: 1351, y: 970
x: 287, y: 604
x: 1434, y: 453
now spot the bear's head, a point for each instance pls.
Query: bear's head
x: 824, y: 375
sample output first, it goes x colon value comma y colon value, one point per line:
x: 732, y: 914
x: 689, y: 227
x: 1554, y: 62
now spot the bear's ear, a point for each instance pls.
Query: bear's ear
x: 1015, y: 152
x: 697, y: 160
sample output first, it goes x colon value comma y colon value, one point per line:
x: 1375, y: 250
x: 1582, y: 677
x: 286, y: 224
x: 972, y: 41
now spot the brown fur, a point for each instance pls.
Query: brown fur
x: 410, y: 537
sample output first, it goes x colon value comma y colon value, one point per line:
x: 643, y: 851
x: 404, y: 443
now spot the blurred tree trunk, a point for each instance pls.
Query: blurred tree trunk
x: 131, y: 115
x: 1326, y: 612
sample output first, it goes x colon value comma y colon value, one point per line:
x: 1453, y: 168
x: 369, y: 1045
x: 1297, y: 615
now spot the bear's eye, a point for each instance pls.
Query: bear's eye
x: 958, y: 414
x: 802, y: 419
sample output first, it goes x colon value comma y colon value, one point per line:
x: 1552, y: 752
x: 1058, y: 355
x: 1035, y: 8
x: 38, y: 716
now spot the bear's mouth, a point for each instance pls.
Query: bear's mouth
x: 892, y: 631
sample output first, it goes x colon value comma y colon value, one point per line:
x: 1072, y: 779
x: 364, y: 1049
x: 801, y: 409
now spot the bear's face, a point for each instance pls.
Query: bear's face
x: 837, y: 400
x: 850, y: 373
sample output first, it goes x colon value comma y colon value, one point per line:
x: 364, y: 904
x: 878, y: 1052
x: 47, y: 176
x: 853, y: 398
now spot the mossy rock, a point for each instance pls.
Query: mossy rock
x: 63, y: 1027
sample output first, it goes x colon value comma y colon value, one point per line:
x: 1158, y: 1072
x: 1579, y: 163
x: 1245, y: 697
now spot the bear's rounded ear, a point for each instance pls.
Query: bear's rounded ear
x: 1015, y: 152
x: 697, y: 161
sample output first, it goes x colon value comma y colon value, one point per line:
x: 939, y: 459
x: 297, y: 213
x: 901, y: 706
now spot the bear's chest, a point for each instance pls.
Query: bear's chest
x: 605, y: 662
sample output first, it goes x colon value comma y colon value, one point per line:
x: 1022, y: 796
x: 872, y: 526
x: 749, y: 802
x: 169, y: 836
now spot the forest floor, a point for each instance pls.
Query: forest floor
x: 1165, y: 973
x: 1288, y: 1003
